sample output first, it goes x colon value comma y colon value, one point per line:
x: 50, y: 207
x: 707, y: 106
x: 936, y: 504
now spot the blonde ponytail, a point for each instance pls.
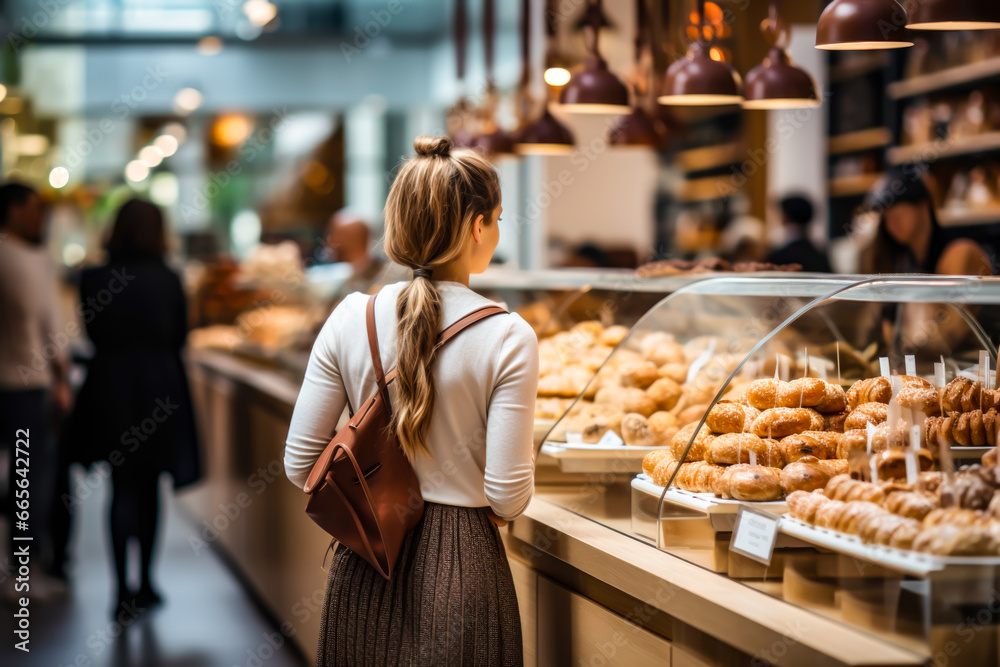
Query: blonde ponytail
x: 429, y: 213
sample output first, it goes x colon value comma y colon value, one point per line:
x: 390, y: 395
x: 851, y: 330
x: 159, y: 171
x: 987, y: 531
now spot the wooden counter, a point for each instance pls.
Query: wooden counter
x: 588, y: 594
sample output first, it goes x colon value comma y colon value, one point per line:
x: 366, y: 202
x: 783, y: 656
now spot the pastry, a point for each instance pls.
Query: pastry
x: 665, y: 392
x: 850, y: 443
x: 730, y: 417
x: 593, y: 428
x: 854, y: 513
x: 667, y: 352
x: 816, y: 421
x: 701, y: 442
x: 963, y: 395
x: 974, y: 428
x: 664, y: 427
x: 833, y: 488
x: 834, y: 466
x: 990, y: 458
x: 972, y: 487
x: 773, y: 393
x: 834, y: 399
x: 952, y: 540
x: 924, y: 399
x: 891, y: 463
x: 652, y: 459
x: 869, y: 390
x: 628, y: 399
x: 639, y: 374
x: 612, y: 335
x: 803, y: 505
x: 663, y: 470
x: 834, y: 421
x: 866, y: 413
x: 706, y: 476
x: 910, y: 504
x: 779, y: 422
x: 674, y: 371
x: 876, y: 524
x: 803, y: 475
x: 752, y: 483
x: 820, y: 444
x: 903, y: 536
x: 828, y: 514
x: 731, y: 448
x: 692, y: 413
x: 865, y: 491
x: 559, y: 385
x: 636, y: 431
x: 551, y: 408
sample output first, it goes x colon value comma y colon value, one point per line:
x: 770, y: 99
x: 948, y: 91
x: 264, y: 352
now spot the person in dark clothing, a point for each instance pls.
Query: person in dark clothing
x: 796, y: 214
x: 134, y: 409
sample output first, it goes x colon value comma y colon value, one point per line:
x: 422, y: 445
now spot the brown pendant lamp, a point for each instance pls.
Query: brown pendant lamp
x: 697, y: 79
x: 954, y: 15
x: 776, y: 83
x: 638, y: 129
x: 545, y: 136
x: 494, y: 141
x: 593, y: 88
x: 862, y: 25
x: 462, y: 114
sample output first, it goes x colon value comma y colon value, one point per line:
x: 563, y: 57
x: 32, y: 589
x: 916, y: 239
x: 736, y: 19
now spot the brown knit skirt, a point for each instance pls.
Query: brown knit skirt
x: 450, y: 601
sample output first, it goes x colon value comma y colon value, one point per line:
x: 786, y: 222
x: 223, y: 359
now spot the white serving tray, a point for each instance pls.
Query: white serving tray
x: 909, y: 562
x: 704, y: 502
x: 594, y: 458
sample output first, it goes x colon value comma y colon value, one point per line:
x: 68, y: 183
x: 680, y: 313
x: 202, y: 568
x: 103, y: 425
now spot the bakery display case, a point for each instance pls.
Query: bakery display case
x: 842, y: 419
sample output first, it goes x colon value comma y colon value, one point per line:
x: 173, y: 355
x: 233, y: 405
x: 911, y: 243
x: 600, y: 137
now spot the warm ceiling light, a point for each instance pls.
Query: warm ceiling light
x: 151, y: 156
x: 862, y: 25
x: 495, y: 143
x: 954, y: 15
x: 260, y: 12
x: 167, y: 144
x: 637, y: 130
x: 231, y: 130
x: 136, y: 171
x: 716, y: 54
x: 58, y: 177
x: 557, y: 76
x: 546, y: 136
x: 697, y: 80
x: 187, y: 100
x: 593, y: 88
x: 209, y: 46
x: 776, y: 83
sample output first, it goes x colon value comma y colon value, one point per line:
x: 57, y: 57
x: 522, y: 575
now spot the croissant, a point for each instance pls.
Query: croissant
x: 653, y: 458
x: 772, y: 393
x: 866, y: 413
x: 730, y: 417
x: 963, y: 395
x: 967, y: 429
x: 956, y: 516
x: 869, y: 390
x: 834, y: 399
x: 910, y: 504
x: 878, y: 524
x: 905, y: 534
x: 683, y: 436
x: 854, y: 513
x: 779, y: 422
x: 663, y: 470
x: 951, y: 540
x: 832, y: 489
x: 803, y: 505
x: 828, y: 515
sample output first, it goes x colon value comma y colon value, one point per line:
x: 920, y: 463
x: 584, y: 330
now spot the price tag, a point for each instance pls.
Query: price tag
x: 870, y: 431
x: 915, y: 437
x: 911, y: 468
x: 574, y: 438
x: 939, y: 374
x: 610, y: 439
x: 984, y: 368
x: 805, y: 368
x: 755, y: 534
x: 911, y: 364
x: 883, y: 364
x: 753, y: 458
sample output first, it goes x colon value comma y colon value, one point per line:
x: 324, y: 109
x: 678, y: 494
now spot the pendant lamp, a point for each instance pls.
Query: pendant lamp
x: 697, y: 79
x: 494, y: 140
x: 556, y: 64
x: 954, y: 15
x: 545, y: 136
x: 862, y: 25
x: 593, y: 88
x: 638, y: 129
x: 776, y: 83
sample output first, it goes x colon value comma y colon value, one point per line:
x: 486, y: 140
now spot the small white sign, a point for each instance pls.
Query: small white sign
x: 984, y: 368
x: 755, y: 534
x: 915, y: 437
x: 911, y: 364
x: 574, y: 438
x: 883, y: 364
x: 911, y: 468
x: 939, y: 374
x: 610, y: 439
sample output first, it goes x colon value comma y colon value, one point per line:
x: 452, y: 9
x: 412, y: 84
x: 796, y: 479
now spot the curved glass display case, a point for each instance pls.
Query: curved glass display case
x: 806, y: 437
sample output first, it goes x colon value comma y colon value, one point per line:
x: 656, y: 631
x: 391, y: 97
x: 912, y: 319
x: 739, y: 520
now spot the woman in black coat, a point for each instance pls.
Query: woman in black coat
x: 134, y: 409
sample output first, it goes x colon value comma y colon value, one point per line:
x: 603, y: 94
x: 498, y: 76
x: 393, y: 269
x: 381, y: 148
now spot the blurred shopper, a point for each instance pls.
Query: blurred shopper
x: 34, y: 354
x: 909, y: 238
x: 348, y: 237
x: 134, y: 409
x: 796, y: 214
x: 464, y: 418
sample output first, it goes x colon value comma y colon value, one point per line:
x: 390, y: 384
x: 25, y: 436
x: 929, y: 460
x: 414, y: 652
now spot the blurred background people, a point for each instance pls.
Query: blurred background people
x: 134, y: 410
x: 796, y: 214
x: 33, y: 367
x: 909, y: 238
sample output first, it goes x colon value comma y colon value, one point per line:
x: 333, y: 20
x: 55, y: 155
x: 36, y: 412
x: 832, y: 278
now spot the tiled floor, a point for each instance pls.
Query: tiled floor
x: 208, y: 619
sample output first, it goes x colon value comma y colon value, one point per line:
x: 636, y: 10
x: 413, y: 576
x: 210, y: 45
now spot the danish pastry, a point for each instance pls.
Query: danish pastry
x: 731, y: 417
x: 866, y: 413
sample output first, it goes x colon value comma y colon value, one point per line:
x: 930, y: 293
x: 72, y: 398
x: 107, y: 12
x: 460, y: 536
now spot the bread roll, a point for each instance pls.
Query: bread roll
x: 866, y: 413
x: 751, y: 483
x: 653, y: 458
x: 665, y: 393
x: 627, y: 399
x: 731, y: 448
x: 636, y: 431
x: 731, y: 417
x: 772, y: 393
x: 779, y: 422
x: 804, y: 475
x: 612, y: 335
x: 834, y: 399
x: 821, y: 444
x: 701, y: 442
x: 639, y: 374
x: 674, y: 371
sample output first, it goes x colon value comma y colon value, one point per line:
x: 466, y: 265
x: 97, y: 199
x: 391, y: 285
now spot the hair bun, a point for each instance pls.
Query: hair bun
x: 427, y: 145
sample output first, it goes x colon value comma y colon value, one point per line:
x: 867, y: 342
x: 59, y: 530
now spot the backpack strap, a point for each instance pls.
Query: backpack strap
x: 376, y: 360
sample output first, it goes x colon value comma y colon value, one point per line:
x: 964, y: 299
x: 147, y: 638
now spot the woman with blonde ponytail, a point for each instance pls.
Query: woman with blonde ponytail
x: 464, y: 416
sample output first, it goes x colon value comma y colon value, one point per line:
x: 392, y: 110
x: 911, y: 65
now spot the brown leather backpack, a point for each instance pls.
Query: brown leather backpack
x: 362, y: 489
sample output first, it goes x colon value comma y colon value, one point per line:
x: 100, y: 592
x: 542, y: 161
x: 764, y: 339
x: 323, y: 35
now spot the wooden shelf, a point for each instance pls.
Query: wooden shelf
x: 850, y: 142
x: 945, y: 148
x: 948, y: 78
x: 706, y: 189
x: 982, y: 216
x: 710, y: 157
x: 852, y: 186
x: 858, y: 64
